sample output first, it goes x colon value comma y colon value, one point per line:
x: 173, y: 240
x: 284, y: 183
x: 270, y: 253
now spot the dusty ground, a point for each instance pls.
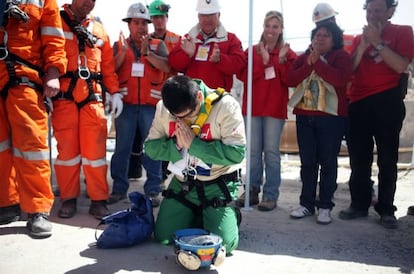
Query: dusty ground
x: 270, y: 242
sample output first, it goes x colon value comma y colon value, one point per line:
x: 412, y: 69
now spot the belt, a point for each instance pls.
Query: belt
x: 234, y: 176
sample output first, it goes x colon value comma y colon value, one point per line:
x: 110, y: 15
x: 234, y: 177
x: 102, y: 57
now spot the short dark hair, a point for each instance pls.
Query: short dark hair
x: 179, y: 93
x: 334, y: 30
x: 389, y: 3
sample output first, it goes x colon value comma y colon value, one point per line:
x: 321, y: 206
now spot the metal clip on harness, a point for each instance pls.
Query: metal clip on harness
x: 3, y: 49
x: 83, y: 70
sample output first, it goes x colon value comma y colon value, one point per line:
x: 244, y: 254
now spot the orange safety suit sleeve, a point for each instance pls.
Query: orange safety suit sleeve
x: 110, y: 78
x: 53, y: 42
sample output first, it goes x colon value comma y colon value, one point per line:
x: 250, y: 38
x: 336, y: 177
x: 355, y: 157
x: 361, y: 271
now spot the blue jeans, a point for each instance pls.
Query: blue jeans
x: 133, y: 117
x: 265, y: 150
x: 319, y: 140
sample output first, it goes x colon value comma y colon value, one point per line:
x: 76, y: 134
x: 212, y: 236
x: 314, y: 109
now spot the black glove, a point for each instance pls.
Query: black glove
x: 90, y: 39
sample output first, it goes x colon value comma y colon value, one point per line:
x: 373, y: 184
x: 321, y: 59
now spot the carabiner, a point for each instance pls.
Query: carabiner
x: 83, y: 70
x: 3, y: 53
x: 3, y: 50
x: 84, y: 73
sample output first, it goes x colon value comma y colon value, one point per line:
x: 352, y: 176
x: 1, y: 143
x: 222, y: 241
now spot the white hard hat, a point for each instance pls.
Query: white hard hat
x: 139, y: 11
x: 208, y: 6
x: 323, y: 11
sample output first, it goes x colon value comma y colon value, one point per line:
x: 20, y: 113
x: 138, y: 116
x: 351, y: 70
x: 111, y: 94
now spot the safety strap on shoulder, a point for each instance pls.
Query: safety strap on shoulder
x: 209, y: 102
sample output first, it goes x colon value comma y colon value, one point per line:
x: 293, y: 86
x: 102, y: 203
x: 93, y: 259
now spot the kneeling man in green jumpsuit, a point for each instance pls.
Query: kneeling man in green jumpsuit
x: 200, y: 131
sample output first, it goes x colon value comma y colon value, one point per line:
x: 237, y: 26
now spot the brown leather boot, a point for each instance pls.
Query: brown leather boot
x: 67, y: 209
x: 98, y: 209
x: 253, y: 199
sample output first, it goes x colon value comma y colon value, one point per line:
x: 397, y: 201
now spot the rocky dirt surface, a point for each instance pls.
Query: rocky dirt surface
x: 270, y: 242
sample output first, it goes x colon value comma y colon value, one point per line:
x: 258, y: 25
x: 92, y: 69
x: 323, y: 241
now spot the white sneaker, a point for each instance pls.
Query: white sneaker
x: 324, y: 216
x: 300, y: 212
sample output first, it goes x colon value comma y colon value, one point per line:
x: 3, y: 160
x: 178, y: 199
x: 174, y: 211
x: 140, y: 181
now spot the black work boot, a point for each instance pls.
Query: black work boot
x: 9, y: 214
x: 39, y: 225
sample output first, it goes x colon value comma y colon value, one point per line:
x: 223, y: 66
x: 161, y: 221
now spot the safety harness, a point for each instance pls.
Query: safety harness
x: 85, y: 37
x: 11, y: 9
x: 190, y: 174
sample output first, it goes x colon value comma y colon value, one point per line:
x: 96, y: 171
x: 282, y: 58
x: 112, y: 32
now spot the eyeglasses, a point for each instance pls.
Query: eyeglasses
x: 188, y: 114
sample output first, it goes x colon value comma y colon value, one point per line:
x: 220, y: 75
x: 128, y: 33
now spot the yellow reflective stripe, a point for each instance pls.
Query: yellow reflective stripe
x: 5, y: 145
x: 71, y: 162
x: 94, y: 163
x: 52, y: 31
x: 31, y: 155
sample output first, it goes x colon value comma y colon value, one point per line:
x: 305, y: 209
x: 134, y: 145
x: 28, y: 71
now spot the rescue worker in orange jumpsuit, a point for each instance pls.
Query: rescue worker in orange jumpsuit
x: 32, y: 58
x: 78, y: 117
x: 141, y: 62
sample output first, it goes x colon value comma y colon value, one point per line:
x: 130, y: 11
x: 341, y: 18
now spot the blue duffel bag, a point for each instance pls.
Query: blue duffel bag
x: 130, y: 226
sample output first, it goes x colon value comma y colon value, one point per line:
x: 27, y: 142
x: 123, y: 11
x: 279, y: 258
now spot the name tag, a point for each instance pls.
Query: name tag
x: 270, y: 73
x: 202, y: 53
x: 137, y: 70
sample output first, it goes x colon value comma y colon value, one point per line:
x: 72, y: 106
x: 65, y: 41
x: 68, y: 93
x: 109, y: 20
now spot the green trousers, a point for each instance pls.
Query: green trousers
x: 173, y: 215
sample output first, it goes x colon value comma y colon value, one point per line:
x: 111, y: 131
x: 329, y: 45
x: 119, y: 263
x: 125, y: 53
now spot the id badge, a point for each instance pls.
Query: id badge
x: 202, y: 53
x: 137, y: 70
x: 270, y: 73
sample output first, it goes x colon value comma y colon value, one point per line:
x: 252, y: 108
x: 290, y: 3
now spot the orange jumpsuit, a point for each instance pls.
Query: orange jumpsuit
x: 170, y: 40
x: 24, y: 152
x: 81, y: 132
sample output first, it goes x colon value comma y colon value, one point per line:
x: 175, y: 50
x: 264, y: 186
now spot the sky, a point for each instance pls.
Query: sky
x: 235, y: 17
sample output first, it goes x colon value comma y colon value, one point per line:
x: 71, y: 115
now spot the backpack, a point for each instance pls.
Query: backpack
x: 128, y: 227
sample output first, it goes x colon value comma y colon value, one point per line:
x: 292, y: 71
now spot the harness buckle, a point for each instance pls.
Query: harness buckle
x: 185, y: 186
x: 190, y: 174
x: 216, y: 202
x: 24, y: 81
x: 83, y: 70
x: 84, y: 73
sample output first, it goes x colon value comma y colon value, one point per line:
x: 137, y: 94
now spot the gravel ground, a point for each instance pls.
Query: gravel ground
x: 270, y: 242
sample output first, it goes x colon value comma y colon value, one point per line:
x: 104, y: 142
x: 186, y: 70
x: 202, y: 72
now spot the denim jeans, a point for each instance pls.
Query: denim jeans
x: 319, y: 140
x: 265, y: 150
x: 133, y: 117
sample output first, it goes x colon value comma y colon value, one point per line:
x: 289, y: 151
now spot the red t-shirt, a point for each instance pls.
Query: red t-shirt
x: 373, y: 75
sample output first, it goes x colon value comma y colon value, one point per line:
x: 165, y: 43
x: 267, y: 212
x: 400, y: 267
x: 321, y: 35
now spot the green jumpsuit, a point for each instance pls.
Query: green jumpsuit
x: 218, y: 150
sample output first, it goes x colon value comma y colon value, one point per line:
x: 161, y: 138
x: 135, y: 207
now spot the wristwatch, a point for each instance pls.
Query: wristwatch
x: 380, y: 46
